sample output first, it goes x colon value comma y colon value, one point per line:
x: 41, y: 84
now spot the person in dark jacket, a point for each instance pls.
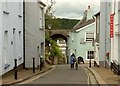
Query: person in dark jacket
x: 80, y: 59
x: 72, y: 60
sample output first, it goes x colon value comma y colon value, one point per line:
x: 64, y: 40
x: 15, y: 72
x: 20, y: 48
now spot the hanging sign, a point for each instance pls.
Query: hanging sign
x: 111, y: 25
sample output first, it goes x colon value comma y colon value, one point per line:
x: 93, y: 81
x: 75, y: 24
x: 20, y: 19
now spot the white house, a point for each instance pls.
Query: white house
x: 97, y: 39
x: 34, y: 32
x: 62, y: 46
x: 104, y: 40
x: 115, y: 41
x: 11, y: 34
x: 109, y: 49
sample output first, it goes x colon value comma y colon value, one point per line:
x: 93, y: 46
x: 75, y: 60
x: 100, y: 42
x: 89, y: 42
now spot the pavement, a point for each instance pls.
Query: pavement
x: 23, y: 74
x: 103, y: 75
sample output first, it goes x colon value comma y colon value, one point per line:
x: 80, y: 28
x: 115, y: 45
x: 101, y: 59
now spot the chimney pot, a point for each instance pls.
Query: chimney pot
x: 89, y: 7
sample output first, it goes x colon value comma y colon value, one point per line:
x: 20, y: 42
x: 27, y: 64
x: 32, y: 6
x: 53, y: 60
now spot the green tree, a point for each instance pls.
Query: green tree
x: 50, y: 19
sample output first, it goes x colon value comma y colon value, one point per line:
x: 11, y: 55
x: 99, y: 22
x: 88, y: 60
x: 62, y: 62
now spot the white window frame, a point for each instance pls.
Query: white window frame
x: 93, y: 37
x: 87, y: 55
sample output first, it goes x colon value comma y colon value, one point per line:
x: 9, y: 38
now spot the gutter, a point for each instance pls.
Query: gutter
x: 23, y: 33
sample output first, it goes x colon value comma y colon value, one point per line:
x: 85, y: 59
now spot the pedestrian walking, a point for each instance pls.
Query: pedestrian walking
x: 72, y: 57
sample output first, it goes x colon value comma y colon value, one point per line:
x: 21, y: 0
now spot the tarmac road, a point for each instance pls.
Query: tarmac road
x: 63, y: 75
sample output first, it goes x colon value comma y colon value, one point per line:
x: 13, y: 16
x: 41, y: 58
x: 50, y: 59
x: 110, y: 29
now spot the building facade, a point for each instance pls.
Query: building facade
x: 11, y: 34
x: 97, y: 39
x: 115, y: 41
x: 104, y: 41
x: 34, y: 32
x: 62, y: 46
x: 109, y: 35
x: 82, y: 36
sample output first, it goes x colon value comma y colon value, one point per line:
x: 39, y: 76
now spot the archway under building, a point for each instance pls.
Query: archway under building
x: 62, y: 43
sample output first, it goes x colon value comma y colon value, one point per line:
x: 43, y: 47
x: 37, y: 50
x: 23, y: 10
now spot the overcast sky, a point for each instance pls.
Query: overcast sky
x: 73, y: 8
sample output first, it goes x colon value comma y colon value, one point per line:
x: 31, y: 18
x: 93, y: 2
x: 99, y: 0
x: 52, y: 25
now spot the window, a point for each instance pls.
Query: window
x: 20, y: 45
x: 41, y: 18
x: 90, y: 54
x: 5, y: 50
x: 89, y: 37
x: 20, y: 9
x: 5, y: 7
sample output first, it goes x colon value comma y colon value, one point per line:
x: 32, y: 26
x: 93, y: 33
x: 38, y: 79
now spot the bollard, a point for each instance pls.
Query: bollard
x: 33, y: 65
x: 111, y: 66
x: 15, y: 69
x: 94, y: 63
x: 90, y: 62
x: 41, y: 63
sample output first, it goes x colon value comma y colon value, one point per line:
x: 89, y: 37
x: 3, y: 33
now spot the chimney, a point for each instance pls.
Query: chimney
x: 86, y: 11
x: 89, y: 7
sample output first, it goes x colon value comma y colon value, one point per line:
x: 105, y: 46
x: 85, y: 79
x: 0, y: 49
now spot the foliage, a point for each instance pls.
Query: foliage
x: 50, y: 20
x: 67, y: 23
x: 55, y: 51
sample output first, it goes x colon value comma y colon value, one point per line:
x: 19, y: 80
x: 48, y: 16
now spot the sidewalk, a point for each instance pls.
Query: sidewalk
x: 23, y: 74
x: 103, y: 75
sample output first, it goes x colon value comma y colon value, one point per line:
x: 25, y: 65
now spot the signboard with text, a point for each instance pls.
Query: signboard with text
x: 111, y: 25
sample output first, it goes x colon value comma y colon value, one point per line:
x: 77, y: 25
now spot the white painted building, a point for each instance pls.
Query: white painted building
x: 97, y: 39
x: 104, y: 40
x: 115, y: 41
x: 11, y: 34
x: 62, y: 46
x: 34, y: 32
x: 109, y: 48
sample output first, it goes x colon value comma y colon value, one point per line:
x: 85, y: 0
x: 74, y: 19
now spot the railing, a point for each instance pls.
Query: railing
x: 115, y: 67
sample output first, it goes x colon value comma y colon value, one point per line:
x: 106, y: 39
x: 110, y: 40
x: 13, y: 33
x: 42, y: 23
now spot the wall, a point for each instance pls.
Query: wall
x: 81, y: 49
x: 97, y: 39
x: 105, y: 8
x: 12, y: 35
x: 76, y: 47
x: 119, y: 32
x: 0, y: 40
x: 116, y: 39
x: 34, y: 34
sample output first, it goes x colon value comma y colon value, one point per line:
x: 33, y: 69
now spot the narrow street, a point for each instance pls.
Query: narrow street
x: 63, y: 75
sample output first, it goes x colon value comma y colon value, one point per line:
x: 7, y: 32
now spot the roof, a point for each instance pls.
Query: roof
x: 42, y: 3
x: 82, y: 23
x: 97, y: 14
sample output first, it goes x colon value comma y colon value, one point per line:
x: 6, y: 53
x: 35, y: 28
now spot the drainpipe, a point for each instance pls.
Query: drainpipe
x: 105, y: 33
x: 23, y: 33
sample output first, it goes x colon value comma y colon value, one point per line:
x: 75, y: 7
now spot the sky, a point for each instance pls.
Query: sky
x: 73, y: 9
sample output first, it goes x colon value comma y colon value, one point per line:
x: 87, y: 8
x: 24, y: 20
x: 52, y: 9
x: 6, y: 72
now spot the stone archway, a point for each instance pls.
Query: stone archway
x: 55, y: 36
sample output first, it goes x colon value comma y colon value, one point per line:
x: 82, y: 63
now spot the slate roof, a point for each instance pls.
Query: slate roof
x: 83, y: 23
x: 97, y: 14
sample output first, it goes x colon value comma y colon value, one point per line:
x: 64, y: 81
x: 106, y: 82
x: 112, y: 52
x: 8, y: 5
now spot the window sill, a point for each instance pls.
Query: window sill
x: 20, y: 58
x: 5, y: 12
x: 41, y: 29
x: 6, y: 66
x: 19, y: 16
